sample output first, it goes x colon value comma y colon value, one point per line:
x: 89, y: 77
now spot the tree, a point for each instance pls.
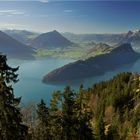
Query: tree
x: 82, y: 115
x: 55, y: 123
x: 100, y: 128
x: 42, y: 132
x: 68, y: 114
x: 11, y: 126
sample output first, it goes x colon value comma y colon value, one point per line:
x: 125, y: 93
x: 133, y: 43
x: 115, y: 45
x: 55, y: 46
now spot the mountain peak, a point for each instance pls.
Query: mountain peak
x: 52, y: 39
x: 55, y: 31
x: 129, y: 33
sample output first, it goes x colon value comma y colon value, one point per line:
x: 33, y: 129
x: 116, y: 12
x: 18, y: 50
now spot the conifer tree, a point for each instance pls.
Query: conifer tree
x: 82, y: 115
x: 11, y: 127
x: 42, y: 131
x: 68, y: 114
x: 55, y: 123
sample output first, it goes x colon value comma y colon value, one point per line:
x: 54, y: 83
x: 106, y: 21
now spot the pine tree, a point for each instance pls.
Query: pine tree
x: 42, y: 132
x: 101, y: 128
x: 11, y: 127
x: 68, y: 114
x: 82, y: 115
x: 55, y: 123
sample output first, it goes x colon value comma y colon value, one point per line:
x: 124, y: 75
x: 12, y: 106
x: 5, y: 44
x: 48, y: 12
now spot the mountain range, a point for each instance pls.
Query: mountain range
x: 118, y: 57
x: 22, y: 36
x: 132, y: 37
x: 25, y: 42
x: 60, y: 40
x: 13, y: 48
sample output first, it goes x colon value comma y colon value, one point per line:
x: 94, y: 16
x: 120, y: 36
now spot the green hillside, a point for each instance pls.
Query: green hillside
x: 108, y: 110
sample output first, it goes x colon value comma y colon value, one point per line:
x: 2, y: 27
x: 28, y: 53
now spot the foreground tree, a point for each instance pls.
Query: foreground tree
x: 42, y: 130
x: 82, y: 115
x: 55, y: 113
x: 11, y: 126
x: 68, y: 114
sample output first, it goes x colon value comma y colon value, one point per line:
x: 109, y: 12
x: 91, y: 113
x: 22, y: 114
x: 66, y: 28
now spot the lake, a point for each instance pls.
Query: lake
x: 30, y: 85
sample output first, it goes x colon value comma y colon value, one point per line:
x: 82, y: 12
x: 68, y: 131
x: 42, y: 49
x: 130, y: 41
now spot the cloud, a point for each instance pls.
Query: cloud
x: 44, y: 1
x: 68, y: 11
x: 11, y: 25
x: 11, y: 12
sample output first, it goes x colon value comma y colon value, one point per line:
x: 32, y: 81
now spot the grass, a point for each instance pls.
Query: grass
x: 72, y: 53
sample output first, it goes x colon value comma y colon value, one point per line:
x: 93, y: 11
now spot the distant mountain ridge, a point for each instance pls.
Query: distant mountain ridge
x: 118, y: 57
x: 97, y: 38
x: 13, y: 48
x: 22, y: 36
x: 132, y: 37
x: 56, y: 39
x: 101, y: 46
x: 51, y: 40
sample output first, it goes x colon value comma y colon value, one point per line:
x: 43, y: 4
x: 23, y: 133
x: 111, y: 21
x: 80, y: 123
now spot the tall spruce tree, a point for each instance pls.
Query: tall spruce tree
x: 11, y: 127
x: 42, y: 131
x: 82, y: 115
x: 68, y: 114
x: 55, y: 123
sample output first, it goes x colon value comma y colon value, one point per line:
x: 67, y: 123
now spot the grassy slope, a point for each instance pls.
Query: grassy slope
x: 76, y: 52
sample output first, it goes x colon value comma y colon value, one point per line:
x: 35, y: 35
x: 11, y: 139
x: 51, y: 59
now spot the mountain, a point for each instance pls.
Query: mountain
x: 101, y: 47
x: 51, y: 40
x: 111, y: 39
x: 118, y: 57
x: 22, y: 36
x: 132, y: 37
x: 13, y: 48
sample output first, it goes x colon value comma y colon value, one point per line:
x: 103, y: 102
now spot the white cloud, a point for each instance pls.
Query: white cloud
x: 44, y: 1
x: 11, y: 12
x: 11, y: 25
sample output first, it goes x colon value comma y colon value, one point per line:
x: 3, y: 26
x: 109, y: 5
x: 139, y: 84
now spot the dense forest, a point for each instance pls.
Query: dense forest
x: 108, y: 110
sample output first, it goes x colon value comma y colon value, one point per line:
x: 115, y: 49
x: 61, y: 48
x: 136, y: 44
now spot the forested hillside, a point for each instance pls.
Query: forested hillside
x: 109, y: 110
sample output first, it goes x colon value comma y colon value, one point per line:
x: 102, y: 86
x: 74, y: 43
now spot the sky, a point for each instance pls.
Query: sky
x: 70, y: 16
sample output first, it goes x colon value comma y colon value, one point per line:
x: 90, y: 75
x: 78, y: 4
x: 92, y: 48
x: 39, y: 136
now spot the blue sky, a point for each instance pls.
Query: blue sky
x: 71, y: 16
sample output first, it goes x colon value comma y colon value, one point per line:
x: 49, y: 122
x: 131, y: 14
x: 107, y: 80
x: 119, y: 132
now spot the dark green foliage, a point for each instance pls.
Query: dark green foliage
x: 68, y: 114
x: 82, y: 115
x: 55, y: 122
x: 107, y: 111
x: 11, y: 126
x: 42, y: 112
x: 100, y: 128
x: 42, y: 130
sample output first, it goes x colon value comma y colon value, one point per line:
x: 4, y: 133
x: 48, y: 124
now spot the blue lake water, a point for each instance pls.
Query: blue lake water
x: 31, y: 88
x: 30, y: 85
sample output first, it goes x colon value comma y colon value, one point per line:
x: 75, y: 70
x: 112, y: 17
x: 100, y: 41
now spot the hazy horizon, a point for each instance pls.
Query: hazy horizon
x: 14, y: 29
